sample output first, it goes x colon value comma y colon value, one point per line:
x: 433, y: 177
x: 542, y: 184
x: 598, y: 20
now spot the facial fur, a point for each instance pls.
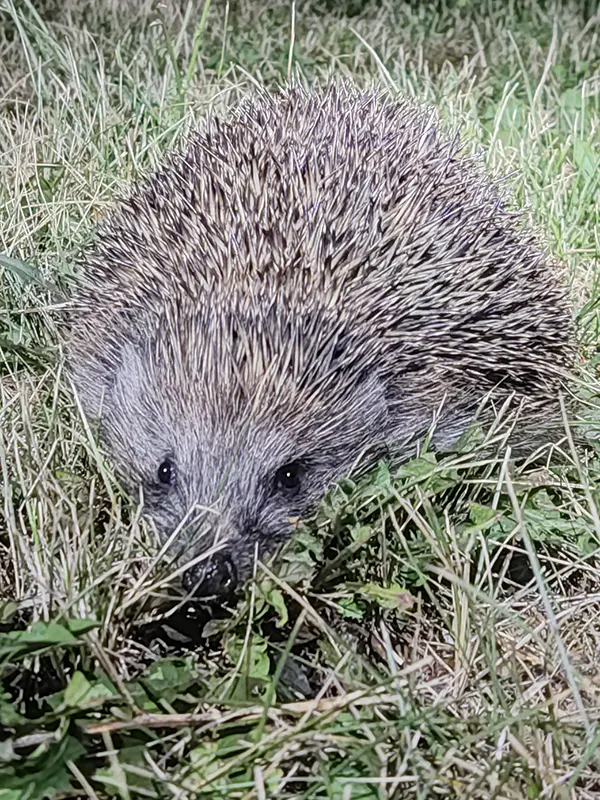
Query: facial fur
x: 227, y: 453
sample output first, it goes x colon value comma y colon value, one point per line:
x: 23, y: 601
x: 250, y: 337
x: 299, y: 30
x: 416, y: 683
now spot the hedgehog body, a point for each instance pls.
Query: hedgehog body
x: 311, y: 284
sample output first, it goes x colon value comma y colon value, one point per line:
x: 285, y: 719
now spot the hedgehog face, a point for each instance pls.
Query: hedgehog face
x: 232, y: 481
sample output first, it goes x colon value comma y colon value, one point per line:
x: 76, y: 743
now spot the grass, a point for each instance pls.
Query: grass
x: 432, y: 632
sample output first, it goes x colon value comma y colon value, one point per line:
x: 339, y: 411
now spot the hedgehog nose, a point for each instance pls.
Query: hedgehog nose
x: 217, y: 577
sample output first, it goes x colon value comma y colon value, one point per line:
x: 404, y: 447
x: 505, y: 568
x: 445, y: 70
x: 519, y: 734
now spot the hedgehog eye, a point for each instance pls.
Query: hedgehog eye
x: 289, y: 477
x: 166, y: 472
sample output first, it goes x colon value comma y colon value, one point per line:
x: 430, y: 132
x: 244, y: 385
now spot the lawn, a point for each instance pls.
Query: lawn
x: 432, y: 631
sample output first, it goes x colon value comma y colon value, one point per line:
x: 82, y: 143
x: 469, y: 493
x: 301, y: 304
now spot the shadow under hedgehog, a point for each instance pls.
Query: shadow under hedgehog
x: 314, y: 280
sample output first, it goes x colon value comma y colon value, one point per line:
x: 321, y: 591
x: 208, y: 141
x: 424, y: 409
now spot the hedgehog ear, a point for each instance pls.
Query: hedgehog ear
x: 118, y: 375
x: 129, y: 375
x: 89, y: 382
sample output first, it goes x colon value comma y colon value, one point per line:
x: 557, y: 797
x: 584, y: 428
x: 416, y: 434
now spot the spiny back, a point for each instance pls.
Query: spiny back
x: 346, y: 206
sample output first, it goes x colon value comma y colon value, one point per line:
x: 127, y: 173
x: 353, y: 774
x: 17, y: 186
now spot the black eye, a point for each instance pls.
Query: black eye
x: 166, y: 472
x: 289, y: 476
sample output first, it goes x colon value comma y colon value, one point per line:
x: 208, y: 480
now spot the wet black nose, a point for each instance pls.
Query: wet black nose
x: 215, y: 577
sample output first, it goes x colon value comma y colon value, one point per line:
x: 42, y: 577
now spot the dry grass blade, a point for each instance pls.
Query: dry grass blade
x: 428, y: 633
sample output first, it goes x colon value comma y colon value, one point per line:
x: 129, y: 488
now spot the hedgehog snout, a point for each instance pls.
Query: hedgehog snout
x: 215, y: 577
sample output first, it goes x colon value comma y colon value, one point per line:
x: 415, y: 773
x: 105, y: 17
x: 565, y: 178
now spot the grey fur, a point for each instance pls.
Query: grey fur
x: 314, y: 278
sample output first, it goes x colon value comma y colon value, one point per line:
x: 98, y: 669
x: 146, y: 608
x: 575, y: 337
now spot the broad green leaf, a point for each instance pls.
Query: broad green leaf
x: 80, y: 626
x: 393, y: 596
x: 80, y: 693
x: 28, y: 274
x: 274, y: 597
x: 418, y: 467
x: 9, y: 716
x: 168, y: 677
x: 42, y: 775
x: 42, y: 635
x: 586, y: 158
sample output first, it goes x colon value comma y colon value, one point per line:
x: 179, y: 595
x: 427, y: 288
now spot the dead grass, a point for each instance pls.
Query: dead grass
x: 429, y: 633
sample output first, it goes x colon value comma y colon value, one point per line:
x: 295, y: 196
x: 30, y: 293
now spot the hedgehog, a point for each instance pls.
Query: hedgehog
x: 320, y: 280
